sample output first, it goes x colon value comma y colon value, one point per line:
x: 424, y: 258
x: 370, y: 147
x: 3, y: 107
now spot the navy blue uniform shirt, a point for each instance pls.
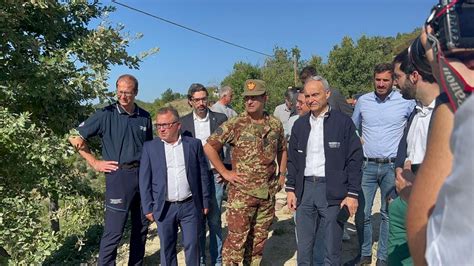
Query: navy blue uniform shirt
x: 122, y: 134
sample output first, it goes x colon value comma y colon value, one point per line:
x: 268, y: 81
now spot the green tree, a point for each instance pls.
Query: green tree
x: 278, y: 76
x: 403, y: 40
x: 213, y: 92
x: 241, y: 72
x: 317, y: 62
x: 350, y: 66
x: 169, y: 96
x: 52, y: 63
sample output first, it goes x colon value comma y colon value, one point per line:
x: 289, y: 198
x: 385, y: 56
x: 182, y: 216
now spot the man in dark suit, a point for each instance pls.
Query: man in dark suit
x: 324, y: 173
x: 200, y: 124
x: 174, y: 187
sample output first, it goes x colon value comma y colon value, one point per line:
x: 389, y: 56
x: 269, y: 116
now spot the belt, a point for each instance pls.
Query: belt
x: 313, y: 178
x: 182, y: 201
x: 380, y: 160
x: 130, y: 165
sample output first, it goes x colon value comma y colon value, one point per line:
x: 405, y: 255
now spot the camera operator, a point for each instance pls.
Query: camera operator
x: 450, y: 238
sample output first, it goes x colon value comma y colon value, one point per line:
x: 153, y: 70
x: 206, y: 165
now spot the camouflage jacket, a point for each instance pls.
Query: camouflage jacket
x: 254, y: 150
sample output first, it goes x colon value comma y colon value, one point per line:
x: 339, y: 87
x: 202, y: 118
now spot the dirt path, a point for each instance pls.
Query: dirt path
x: 280, y: 248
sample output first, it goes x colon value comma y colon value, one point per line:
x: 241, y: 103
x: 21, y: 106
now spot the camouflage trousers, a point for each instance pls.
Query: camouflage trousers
x: 248, y: 220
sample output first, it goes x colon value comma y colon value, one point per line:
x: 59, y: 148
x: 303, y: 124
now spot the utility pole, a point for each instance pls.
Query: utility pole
x: 296, y: 55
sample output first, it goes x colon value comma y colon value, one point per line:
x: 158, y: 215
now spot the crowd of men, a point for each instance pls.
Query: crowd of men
x: 329, y: 158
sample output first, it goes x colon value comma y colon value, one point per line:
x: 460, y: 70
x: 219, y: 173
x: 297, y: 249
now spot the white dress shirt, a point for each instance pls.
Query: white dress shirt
x: 202, y: 128
x: 315, y: 158
x: 418, y: 133
x: 178, y: 185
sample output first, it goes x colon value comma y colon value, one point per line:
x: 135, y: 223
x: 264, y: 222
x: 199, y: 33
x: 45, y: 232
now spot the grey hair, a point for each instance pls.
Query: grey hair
x: 224, y: 91
x: 323, y: 81
x: 168, y: 109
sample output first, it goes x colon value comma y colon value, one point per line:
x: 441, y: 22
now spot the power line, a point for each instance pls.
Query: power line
x: 189, y: 29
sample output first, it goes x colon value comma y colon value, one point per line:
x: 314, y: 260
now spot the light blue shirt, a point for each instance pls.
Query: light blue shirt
x: 382, y: 122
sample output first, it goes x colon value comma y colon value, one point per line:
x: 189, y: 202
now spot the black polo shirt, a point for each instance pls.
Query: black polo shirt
x: 122, y: 134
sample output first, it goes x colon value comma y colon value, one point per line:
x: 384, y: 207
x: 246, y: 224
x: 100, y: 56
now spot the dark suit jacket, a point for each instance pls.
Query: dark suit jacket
x: 187, y: 123
x: 402, y: 146
x: 215, y: 120
x: 153, y: 176
x: 337, y: 101
x: 343, y: 153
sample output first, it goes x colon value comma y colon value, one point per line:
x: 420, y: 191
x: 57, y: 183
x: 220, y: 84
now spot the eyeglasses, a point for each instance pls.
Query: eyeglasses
x: 196, y: 100
x: 165, y: 125
x: 126, y: 93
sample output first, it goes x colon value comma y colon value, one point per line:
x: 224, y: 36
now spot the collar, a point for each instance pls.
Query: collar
x: 425, y: 110
x: 173, y: 144
x: 122, y: 110
x: 323, y: 114
x: 266, y: 117
x: 205, y: 119
x: 389, y: 96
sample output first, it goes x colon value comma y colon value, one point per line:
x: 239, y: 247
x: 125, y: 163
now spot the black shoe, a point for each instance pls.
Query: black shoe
x: 381, y: 263
x: 365, y: 260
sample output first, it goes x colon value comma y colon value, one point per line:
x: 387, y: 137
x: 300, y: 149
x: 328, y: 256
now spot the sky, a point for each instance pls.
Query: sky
x: 185, y: 57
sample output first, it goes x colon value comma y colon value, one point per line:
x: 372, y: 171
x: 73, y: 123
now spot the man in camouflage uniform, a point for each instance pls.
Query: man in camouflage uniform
x: 257, y: 140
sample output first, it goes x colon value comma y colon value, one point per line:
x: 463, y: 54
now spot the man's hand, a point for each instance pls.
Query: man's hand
x: 205, y: 211
x: 400, y: 181
x: 104, y: 166
x: 281, y: 181
x: 351, y: 204
x: 291, y: 200
x: 233, y: 177
x: 424, y: 41
x: 150, y: 217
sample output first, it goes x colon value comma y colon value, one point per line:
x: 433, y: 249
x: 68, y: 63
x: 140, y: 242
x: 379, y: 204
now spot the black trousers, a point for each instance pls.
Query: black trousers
x: 189, y: 219
x: 311, y: 212
x: 121, y: 197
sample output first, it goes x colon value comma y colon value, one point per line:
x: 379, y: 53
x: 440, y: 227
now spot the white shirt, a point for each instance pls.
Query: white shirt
x: 450, y: 232
x: 202, y: 128
x: 223, y: 109
x: 177, y: 185
x: 418, y: 133
x: 315, y: 158
x: 289, y: 125
x: 282, y: 113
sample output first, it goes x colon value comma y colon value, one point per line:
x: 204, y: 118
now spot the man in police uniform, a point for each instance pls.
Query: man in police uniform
x: 257, y: 140
x: 123, y: 128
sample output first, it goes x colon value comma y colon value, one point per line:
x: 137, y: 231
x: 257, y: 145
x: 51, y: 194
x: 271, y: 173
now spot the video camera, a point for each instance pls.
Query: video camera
x: 453, y: 25
x: 452, y: 22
